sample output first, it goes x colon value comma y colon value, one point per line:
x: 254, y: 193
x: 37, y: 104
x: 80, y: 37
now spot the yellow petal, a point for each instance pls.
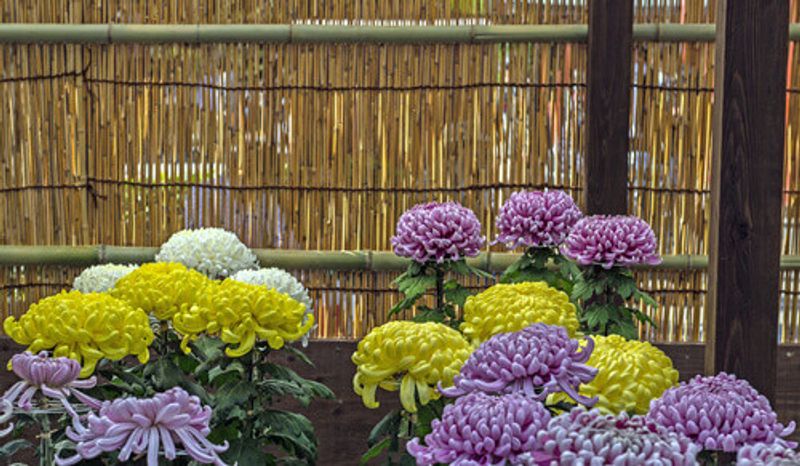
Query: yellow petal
x: 407, y: 392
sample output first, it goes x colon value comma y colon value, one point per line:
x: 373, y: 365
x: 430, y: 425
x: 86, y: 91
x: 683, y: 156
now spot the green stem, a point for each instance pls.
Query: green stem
x: 439, y: 289
x: 45, y: 442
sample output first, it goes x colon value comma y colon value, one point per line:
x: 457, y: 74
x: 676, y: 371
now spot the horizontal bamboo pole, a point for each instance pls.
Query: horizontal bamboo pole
x: 290, y: 259
x: 29, y: 33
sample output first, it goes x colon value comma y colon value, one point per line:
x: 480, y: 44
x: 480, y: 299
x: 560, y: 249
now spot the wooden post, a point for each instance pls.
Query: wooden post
x: 747, y: 166
x: 608, y: 107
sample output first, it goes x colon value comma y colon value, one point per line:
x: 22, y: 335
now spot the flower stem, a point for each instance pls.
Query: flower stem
x: 439, y: 289
x: 45, y: 442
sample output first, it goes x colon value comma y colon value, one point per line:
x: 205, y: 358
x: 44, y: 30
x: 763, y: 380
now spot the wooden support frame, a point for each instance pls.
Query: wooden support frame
x: 608, y: 102
x: 747, y: 166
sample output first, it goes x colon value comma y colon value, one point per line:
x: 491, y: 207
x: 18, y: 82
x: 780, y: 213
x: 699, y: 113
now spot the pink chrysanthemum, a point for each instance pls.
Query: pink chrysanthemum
x: 537, y: 361
x: 588, y: 437
x: 55, y: 378
x: 436, y: 232
x: 481, y: 429
x: 6, y: 413
x: 767, y: 454
x: 136, y: 426
x: 610, y: 241
x: 536, y: 219
x: 719, y: 413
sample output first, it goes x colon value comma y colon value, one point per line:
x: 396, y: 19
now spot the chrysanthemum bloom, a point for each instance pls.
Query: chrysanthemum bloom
x: 720, y: 413
x: 436, y: 232
x: 414, y: 357
x: 162, y: 288
x: 85, y: 327
x: 481, y: 429
x: 630, y: 374
x: 767, y: 454
x: 538, y: 360
x: 511, y: 307
x: 100, y: 278
x: 56, y: 378
x: 282, y: 282
x: 213, y: 251
x: 6, y: 414
x: 609, y: 241
x: 136, y: 426
x: 536, y: 219
x: 588, y: 437
x: 240, y: 314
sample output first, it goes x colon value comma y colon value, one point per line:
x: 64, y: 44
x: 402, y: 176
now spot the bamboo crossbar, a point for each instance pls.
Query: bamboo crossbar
x: 373, y: 261
x: 30, y: 33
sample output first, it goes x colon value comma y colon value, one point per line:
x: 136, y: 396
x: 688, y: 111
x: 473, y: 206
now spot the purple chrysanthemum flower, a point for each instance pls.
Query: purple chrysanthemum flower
x: 537, y: 361
x: 481, y: 429
x: 56, y: 378
x: 611, y: 240
x: 6, y: 413
x: 588, y: 437
x: 438, y: 232
x: 536, y: 219
x: 719, y: 413
x: 136, y: 426
x: 767, y: 454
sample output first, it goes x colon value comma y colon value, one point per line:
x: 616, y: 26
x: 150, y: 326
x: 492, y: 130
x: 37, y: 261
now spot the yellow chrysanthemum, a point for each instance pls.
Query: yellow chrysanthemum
x: 506, y: 308
x: 240, y: 314
x: 410, y: 356
x: 85, y: 327
x: 162, y: 288
x: 630, y: 374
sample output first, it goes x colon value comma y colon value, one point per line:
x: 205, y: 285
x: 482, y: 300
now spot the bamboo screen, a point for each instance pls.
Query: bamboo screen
x: 324, y: 146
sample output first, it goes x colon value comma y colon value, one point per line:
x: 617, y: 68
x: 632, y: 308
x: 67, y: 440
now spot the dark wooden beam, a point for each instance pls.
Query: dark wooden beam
x: 747, y: 167
x: 608, y: 103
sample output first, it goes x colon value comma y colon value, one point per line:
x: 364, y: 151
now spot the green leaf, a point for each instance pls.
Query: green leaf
x: 626, y: 289
x: 455, y: 293
x: 646, y: 298
x: 479, y: 273
x: 299, y: 354
x: 375, y: 451
x: 247, y: 452
x: 12, y: 447
x: 233, y: 393
x: 426, y: 314
x: 222, y: 432
x: 219, y: 376
x: 417, y: 285
x: 389, y: 426
x: 425, y: 416
x: 291, y: 431
x: 309, y: 389
x: 581, y: 291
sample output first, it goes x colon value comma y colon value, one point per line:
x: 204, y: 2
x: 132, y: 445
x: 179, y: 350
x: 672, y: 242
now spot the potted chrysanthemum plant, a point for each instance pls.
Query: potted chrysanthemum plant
x: 437, y: 237
x: 539, y: 221
x: 414, y: 358
x: 606, y: 247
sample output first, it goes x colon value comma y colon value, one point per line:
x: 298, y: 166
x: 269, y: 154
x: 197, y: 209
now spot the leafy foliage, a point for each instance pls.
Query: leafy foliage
x: 535, y: 266
x: 609, y: 298
x: 240, y: 391
x: 421, y: 279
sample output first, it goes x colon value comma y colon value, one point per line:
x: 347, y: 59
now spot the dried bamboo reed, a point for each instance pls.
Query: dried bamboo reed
x: 323, y: 146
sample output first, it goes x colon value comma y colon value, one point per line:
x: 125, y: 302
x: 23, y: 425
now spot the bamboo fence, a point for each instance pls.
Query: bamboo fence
x: 322, y: 146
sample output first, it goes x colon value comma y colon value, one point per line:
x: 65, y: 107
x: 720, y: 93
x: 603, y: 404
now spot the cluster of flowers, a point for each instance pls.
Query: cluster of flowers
x: 438, y: 232
x: 132, y: 426
x: 640, y: 415
x: 112, y: 313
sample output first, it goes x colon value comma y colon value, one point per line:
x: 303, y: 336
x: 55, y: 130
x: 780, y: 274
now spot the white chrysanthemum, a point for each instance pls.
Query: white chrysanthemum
x: 100, y: 278
x: 282, y: 282
x: 213, y: 251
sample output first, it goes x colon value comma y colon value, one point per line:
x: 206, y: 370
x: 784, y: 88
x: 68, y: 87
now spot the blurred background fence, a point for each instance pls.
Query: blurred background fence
x: 323, y: 146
